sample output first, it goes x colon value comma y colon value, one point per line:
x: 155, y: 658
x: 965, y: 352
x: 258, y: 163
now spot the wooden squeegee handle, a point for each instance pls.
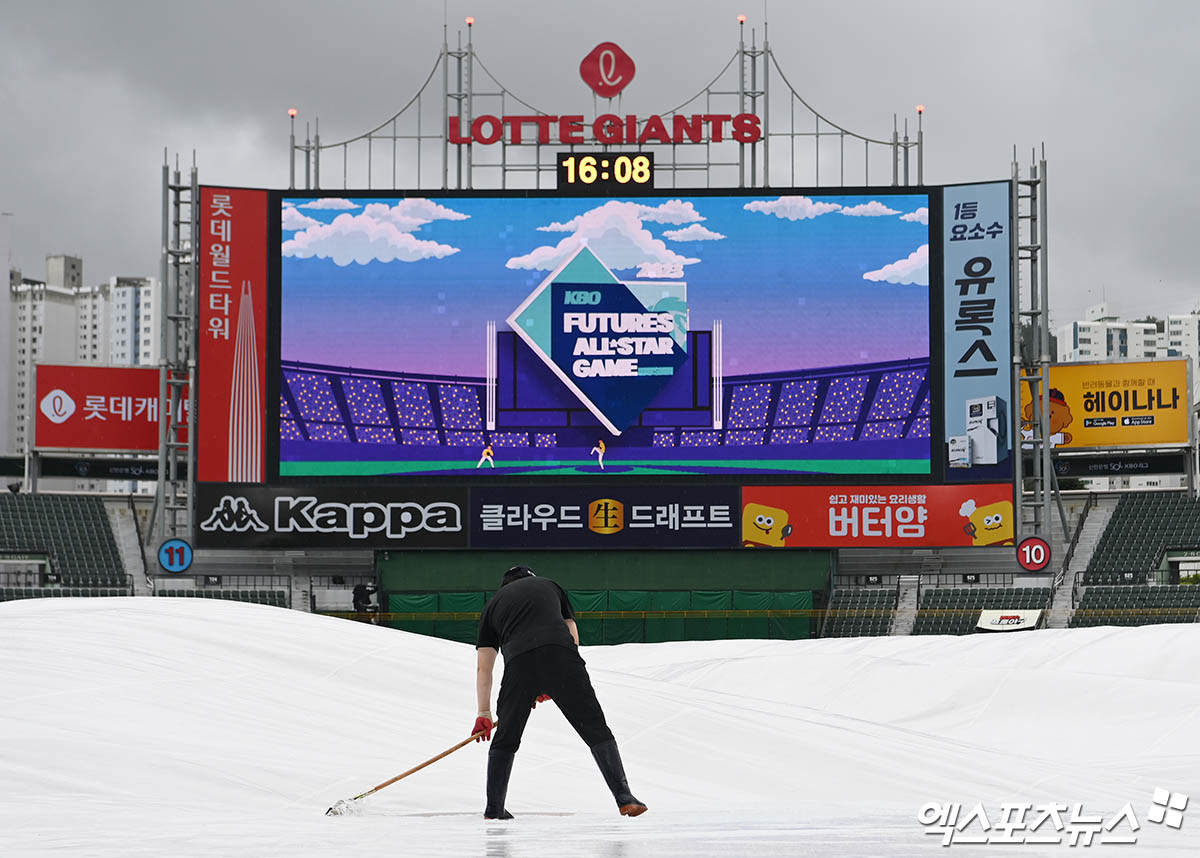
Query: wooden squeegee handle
x: 420, y: 766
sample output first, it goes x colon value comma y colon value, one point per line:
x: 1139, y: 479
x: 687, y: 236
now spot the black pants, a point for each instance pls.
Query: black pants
x: 555, y: 670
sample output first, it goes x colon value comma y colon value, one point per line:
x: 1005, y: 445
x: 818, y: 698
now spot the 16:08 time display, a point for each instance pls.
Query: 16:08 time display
x: 609, y: 169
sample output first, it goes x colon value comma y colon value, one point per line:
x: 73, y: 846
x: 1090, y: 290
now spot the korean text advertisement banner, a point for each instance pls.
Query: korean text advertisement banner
x: 233, y: 515
x: 877, y: 516
x: 977, y: 310
x: 717, y: 332
x: 89, y: 407
x: 1119, y: 404
x: 612, y: 516
x: 231, y: 394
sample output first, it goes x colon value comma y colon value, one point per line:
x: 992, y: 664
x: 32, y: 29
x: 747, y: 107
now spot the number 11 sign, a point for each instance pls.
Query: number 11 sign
x: 175, y: 555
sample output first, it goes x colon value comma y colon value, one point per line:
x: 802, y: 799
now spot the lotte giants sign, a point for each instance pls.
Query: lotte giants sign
x: 88, y: 407
x: 607, y: 69
x: 608, y: 128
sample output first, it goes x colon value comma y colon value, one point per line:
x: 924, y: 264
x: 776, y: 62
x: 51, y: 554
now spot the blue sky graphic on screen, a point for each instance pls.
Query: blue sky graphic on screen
x: 729, y: 334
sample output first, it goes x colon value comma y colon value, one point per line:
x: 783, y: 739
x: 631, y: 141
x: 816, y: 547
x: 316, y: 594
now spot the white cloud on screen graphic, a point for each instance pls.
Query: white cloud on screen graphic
x: 381, y: 233
x: 294, y: 220
x: 872, y: 209
x: 695, y: 232
x: 912, y: 270
x: 615, y: 232
x: 792, y: 208
x: 331, y: 203
x: 672, y: 212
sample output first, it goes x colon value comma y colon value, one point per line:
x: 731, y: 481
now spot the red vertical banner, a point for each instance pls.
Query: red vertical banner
x: 231, y: 387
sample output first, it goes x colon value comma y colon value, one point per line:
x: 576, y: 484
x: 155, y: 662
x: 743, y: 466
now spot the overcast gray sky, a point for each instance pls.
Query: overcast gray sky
x: 92, y: 92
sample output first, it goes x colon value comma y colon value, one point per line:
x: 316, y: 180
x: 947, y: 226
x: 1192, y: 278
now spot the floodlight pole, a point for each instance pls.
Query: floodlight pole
x: 1045, y: 358
x: 469, y: 91
x: 292, y: 151
x: 766, y: 137
x: 316, y: 150
x: 1015, y: 422
x: 920, y: 147
x: 445, y: 110
x: 741, y: 95
x: 164, y: 405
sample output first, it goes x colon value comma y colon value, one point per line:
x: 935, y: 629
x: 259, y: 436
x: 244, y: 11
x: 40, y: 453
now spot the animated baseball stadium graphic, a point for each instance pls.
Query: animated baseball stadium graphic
x: 731, y: 334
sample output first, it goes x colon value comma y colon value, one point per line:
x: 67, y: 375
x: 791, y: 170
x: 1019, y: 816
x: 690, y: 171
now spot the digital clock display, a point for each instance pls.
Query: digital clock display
x: 605, y: 171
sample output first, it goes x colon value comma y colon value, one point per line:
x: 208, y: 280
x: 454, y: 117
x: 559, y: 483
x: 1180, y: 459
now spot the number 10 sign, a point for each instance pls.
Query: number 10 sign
x: 1033, y: 553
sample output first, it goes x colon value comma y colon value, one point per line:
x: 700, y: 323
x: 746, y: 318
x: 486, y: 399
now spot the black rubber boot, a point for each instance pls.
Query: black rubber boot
x: 608, y: 758
x: 499, y: 768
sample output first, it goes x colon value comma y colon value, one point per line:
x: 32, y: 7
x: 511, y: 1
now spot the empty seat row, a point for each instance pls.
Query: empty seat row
x: 8, y: 594
x: 277, y: 598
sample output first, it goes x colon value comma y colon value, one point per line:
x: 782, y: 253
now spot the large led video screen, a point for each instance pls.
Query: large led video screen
x: 728, y: 333
x: 762, y: 336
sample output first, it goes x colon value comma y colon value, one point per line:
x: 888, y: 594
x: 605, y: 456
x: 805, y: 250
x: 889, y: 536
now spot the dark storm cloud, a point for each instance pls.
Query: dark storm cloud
x: 93, y: 92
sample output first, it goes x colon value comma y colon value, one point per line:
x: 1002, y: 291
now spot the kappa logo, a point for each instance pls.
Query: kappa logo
x: 233, y: 515
x: 360, y: 520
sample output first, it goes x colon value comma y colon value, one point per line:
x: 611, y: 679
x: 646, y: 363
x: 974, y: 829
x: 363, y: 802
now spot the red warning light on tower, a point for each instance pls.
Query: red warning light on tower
x: 607, y: 69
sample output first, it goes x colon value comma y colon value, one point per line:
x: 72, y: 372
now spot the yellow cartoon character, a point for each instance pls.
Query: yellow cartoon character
x: 1060, y: 419
x: 764, y: 526
x: 988, y: 525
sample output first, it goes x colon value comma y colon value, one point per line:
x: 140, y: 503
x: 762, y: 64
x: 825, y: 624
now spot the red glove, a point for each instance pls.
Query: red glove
x: 483, y: 724
x: 541, y: 698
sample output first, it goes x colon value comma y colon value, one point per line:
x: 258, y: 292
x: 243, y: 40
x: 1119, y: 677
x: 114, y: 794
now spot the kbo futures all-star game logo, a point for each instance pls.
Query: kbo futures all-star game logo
x: 613, y: 344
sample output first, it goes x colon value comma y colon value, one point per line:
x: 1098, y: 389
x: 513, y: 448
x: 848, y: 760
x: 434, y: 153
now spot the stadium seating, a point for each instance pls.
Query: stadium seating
x: 877, y: 403
x: 1137, y: 606
x: 1094, y: 579
x: 955, y: 610
x: 73, y: 530
x: 1142, y: 525
x: 277, y: 598
x: 9, y: 594
x: 855, y: 612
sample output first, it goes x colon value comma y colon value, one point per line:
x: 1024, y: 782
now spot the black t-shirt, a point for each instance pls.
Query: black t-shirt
x: 524, y: 614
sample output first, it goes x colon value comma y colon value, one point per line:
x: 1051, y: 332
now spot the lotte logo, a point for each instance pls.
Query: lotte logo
x: 607, y: 69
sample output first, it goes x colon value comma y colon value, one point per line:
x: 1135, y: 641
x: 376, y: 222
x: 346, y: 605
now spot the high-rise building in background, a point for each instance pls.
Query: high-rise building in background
x: 133, y: 334
x: 1101, y: 336
x: 41, y: 324
x: 60, y: 320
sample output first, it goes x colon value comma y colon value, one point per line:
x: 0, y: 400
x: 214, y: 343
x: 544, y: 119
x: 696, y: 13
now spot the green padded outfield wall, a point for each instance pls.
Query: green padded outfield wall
x: 625, y: 582
x: 748, y: 569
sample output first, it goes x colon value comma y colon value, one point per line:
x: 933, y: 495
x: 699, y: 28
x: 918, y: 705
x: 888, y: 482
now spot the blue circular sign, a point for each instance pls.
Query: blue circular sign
x: 175, y: 555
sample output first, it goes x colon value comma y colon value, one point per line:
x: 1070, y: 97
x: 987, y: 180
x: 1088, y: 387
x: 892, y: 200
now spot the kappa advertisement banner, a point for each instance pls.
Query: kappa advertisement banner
x: 89, y: 407
x: 1120, y: 404
x: 607, y: 517
x: 240, y: 516
x: 233, y: 335
x: 976, y: 239
x: 876, y: 516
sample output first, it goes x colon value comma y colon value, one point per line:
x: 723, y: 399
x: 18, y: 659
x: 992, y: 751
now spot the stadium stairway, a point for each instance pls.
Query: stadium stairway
x: 906, y: 605
x: 1093, y: 528
x: 120, y: 518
